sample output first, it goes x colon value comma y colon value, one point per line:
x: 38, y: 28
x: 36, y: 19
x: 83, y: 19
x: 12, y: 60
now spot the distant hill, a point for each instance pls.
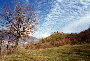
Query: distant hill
x: 29, y: 40
x: 5, y: 37
x: 60, y: 39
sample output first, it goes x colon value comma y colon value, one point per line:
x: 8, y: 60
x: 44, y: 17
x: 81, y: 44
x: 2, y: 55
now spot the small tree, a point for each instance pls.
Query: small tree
x: 19, y: 22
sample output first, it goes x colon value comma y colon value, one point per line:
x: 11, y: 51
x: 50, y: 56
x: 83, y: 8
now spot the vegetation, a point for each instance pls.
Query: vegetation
x: 59, y: 39
x: 62, y: 53
x: 18, y: 24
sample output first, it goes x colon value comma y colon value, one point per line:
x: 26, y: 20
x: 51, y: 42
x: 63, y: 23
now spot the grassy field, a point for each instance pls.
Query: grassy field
x: 62, y: 53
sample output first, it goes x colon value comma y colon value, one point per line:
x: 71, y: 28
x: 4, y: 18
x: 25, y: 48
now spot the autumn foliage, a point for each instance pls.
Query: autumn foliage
x: 60, y: 39
x: 17, y: 23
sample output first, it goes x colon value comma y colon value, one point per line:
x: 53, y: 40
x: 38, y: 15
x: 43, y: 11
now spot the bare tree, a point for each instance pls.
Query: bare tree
x: 19, y: 22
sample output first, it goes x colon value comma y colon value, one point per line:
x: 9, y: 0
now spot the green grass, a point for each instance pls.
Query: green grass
x: 62, y: 53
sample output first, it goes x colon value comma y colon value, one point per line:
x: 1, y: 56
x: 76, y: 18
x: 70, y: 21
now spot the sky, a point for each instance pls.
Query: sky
x: 68, y: 16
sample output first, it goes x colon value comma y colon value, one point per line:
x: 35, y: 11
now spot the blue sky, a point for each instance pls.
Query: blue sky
x: 68, y: 16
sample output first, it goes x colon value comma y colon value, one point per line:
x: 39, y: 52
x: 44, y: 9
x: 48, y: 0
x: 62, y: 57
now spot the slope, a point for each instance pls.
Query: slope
x: 63, y: 53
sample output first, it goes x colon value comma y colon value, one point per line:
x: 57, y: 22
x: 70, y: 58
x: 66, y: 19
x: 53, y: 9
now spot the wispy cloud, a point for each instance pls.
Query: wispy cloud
x: 59, y: 0
x: 66, y: 16
x: 86, y: 2
x: 78, y: 25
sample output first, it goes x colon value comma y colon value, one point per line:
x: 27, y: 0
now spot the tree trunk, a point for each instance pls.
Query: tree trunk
x: 0, y: 47
x: 0, y: 50
x: 16, y: 43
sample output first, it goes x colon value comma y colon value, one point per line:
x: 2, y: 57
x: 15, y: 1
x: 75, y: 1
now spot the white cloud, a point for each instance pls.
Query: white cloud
x: 70, y: 17
x: 78, y: 25
x: 59, y: 0
x: 27, y: 0
x: 53, y: 15
x: 86, y: 2
x: 57, y: 17
x: 41, y: 34
x: 45, y: 35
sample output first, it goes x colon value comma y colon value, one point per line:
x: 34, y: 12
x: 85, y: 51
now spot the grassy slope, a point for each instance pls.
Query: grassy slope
x: 63, y: 53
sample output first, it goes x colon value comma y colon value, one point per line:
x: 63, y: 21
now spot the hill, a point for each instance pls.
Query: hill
x: 62, y: 53
x: 60, y: 39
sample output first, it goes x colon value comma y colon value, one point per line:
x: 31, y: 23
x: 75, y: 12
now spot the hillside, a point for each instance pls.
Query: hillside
x: 63, y: 53
x: 59, y: 39
x: 85, y: 35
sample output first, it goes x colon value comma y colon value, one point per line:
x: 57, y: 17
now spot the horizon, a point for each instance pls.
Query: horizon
x: 67, y: 16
